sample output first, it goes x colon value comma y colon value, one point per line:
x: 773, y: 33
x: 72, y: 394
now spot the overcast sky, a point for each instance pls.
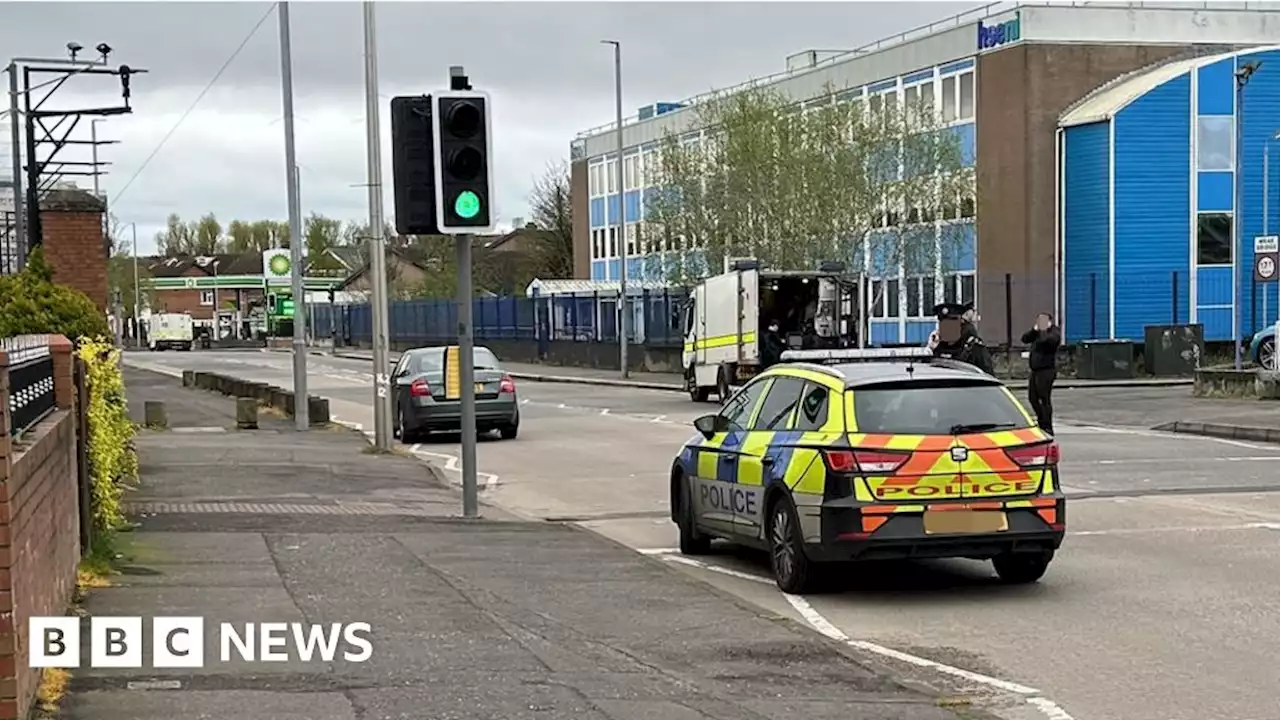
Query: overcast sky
x: 542, y: 62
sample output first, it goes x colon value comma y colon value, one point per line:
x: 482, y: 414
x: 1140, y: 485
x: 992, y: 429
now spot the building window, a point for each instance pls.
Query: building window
x: 959, y: 288
x: 596, y: 179
x: 631, y: 240
x: 643, y: 169
x: 611, y: 172
x: 1215, y: 143
x: 597, y: 243
x: 631, y: 171
x: 966, y: 95
x: 1213, y: 241
x: 917, y: 100
x: 949, y: 99
x: 921, y: 296
x: 613, y: 242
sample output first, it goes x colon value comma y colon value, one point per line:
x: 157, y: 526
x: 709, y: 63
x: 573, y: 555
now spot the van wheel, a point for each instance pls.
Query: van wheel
x: 1022, y: 568
x: 691, y: 541
x: 794, y: 572
x: 722, y: 386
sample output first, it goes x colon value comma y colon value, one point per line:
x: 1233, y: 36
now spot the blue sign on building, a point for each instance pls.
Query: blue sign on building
x: 990, y: 36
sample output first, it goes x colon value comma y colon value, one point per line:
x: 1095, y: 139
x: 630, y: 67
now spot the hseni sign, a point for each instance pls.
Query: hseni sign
x: 990, y: 36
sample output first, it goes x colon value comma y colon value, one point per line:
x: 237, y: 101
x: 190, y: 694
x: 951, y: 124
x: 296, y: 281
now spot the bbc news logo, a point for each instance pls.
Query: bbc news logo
x: 178, y: 642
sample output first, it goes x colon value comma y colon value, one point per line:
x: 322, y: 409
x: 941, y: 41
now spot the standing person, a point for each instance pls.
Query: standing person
x: 1044, y: 339
x: 771, y: 346
x: 957, y: 338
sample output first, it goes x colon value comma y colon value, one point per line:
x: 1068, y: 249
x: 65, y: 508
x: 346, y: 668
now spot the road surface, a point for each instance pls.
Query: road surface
x: 1161, y: 605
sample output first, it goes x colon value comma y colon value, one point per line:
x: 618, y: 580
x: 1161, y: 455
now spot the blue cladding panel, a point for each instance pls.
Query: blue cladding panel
x: 1216, y: 85
x: 1214, y: 190
x: 1153, y: 213
x: 614, y: 201
x: 916, y: 77
x: 882, y: 85
x: 1261, y: 107
x: 597, y: 270
x: 597, y: 212
x: 955, y: 67
x: 918, y: 331
x: 633, y: 206
x: 884, y: 331
x: 959, y: 247
x: 1213, y: 285
x: 1086, y: 232
x: 968, y: 136
x: 882, y: 255
x: 615, y: 268
x: 1216, y: 322
x: 635, y: 266
x: 650, y: 195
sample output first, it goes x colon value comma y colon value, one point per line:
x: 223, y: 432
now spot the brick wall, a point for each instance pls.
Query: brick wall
x: 39, y: 527
x: 74, y: 244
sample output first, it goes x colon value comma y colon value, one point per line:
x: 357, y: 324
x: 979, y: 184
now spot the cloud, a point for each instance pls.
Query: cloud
x: 543, y: 63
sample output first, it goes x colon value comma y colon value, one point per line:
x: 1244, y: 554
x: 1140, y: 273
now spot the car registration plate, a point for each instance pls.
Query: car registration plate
x: 479, y: 387
x: 957, y: 522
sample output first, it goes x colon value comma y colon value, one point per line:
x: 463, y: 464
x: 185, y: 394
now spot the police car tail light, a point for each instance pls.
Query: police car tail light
x: 508, y: 385
x: 1035, y: 455
x: 872, y: 462
x: 420, y: 388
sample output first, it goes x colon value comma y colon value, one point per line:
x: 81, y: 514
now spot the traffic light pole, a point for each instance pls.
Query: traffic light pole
x: 466, y: 348
x: 301, y: 406
x: 377, y: 246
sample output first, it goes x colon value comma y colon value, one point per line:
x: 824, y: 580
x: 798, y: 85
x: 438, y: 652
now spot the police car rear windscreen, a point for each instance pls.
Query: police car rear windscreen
x: 935, y: 408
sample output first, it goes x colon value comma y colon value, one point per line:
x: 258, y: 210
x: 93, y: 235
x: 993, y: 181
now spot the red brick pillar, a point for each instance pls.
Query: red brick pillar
x: 74, y: 244
x: 64, y: 385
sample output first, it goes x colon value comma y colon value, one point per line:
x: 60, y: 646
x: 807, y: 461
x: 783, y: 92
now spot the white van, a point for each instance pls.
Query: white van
x: 170, y: 330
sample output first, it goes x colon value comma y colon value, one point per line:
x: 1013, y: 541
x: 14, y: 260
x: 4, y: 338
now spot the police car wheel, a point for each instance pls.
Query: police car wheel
x: 792, y: 569
x: 1022, y: 568
x: 691, y: 541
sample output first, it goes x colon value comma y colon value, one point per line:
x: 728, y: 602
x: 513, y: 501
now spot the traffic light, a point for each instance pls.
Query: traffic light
x: 461, y: 133
x: 271, y: 304
x: 413, y: 163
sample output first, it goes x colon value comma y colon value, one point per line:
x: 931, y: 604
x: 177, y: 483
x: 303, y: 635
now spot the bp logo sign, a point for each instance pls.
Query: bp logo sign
x: 276, y: 265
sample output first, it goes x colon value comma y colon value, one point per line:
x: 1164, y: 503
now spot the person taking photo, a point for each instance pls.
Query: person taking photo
x: 1043, y: 338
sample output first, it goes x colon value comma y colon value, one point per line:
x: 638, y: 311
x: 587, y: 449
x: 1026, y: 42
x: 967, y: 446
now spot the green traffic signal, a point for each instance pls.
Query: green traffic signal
x: 466, y: 205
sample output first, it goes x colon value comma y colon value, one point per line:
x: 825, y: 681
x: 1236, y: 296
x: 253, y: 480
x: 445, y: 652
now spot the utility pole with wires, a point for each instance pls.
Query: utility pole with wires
x: 44, y: 128
x: 301, y: 398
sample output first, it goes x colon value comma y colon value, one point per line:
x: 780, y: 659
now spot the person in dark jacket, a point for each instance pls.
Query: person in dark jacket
x: 1043, y: 339
x: 957, y: 338
x: 771, y: 346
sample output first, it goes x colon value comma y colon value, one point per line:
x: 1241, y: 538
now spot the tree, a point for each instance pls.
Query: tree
x: 206, y: 236
x: 793, y: 187
x: 176, y: 238
x: 240, y: 238
x: 551, y: 212
x: 120, y: 274
x: 31, y: 303
x: 321, y: 234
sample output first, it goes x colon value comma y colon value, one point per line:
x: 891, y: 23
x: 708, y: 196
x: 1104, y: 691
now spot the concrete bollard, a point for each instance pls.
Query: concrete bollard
x: 247, y: 413
x: 188, y: 378
x: 154, y: 414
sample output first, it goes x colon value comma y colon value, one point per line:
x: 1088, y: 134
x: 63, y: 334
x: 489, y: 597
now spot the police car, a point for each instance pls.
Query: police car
x: 838, y: 455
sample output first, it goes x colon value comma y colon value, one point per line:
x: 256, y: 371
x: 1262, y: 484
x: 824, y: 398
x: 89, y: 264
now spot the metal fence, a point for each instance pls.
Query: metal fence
x: 31, y: 395
x: 11, y: 246
x: 587, y: 318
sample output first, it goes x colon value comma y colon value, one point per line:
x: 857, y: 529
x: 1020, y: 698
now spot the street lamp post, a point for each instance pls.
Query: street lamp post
x: 302, y: 421
x: 623, y: 311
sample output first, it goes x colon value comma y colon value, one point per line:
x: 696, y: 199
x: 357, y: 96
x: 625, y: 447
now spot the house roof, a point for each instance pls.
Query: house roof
x: 1107, y: 101
x: 162, y: 266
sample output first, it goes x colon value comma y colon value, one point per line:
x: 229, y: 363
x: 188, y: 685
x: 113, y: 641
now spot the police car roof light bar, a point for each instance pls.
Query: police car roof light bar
x: 856, y: 354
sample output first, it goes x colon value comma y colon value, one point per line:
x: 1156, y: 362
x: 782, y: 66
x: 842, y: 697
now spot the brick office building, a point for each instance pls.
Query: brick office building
x: 1001, y: 76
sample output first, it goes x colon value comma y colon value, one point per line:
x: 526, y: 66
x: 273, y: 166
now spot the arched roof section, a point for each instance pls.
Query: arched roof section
x: 1107, y: 101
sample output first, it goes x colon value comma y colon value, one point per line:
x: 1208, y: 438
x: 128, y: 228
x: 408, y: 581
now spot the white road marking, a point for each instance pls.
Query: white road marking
x: 453, y: 464
x: 1172, y: 460
x: 717, y: 569
x: 1178, y: 436
x: 1205, y: 528
x: 657, y: 551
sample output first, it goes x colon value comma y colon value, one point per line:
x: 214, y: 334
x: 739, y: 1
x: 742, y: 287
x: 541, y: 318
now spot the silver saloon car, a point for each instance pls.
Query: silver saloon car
x: 419, y: 404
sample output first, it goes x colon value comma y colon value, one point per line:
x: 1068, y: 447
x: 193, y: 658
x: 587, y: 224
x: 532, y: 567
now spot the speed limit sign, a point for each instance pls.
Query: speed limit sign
x: 1266, y: 258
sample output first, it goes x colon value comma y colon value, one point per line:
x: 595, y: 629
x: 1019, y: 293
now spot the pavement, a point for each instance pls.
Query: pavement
x: 489, y: 619
x: 1161, y: 605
